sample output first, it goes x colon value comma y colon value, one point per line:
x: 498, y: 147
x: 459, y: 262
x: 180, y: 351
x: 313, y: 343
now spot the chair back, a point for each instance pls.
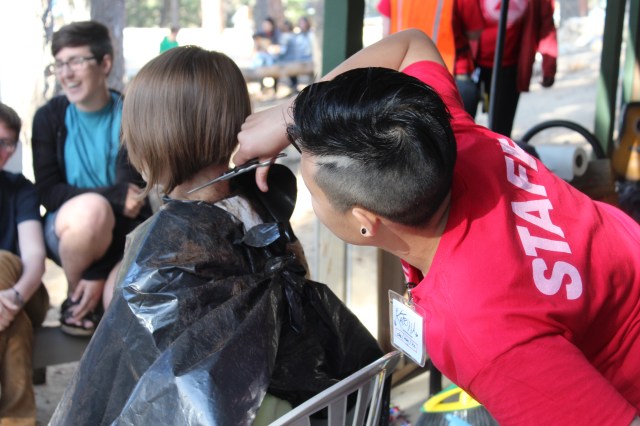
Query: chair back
x: 368, y: 382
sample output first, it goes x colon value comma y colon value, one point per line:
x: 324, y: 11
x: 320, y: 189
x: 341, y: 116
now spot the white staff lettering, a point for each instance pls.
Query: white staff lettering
x: 531, y: 243
x: 552, y: 285
x: 543, y: 220
x: 520, y: 180
x: 536, y: 212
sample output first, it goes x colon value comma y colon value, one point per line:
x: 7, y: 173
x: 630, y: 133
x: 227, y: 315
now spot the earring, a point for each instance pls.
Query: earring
x: 363, y: 230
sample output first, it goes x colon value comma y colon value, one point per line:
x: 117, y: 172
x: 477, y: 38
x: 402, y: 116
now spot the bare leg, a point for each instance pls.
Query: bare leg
x: 109, y: 286
x: 84, y: 226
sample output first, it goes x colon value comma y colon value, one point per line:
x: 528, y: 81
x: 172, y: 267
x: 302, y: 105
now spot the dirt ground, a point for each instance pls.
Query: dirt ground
x: 571, y: 98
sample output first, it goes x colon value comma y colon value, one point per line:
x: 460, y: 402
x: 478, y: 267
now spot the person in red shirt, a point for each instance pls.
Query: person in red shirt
x: 454, y: 25
x: 530, y: 29
x: 530, y: 289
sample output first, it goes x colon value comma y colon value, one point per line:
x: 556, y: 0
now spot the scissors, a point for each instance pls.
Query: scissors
x: 238, y: 170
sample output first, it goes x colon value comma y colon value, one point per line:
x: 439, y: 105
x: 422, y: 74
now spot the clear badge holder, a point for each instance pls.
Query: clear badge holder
x: 407, y: 321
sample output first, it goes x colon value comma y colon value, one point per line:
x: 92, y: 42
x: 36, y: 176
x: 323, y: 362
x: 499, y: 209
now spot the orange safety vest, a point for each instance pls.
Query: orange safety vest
x: 433, y: 17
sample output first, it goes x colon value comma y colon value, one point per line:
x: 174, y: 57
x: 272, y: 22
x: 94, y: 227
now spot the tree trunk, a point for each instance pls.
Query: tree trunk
x: 112, y: 14
x: 175, y: 13
x: 260, y: 13
x: 276, y: 11
x: 164, y: 13
x: 268, y: 8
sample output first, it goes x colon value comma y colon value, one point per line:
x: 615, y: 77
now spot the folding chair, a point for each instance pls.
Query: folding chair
x: 368, y: 382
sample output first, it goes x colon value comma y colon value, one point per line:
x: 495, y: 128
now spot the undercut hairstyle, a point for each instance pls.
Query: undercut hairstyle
x: 183, y: 112
x: 382, y: 141
x: 86, y: 33
x: 10, y: 119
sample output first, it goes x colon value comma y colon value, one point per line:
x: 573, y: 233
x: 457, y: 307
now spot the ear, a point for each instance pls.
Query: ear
x: 367, y: 220
x: 107, y: 64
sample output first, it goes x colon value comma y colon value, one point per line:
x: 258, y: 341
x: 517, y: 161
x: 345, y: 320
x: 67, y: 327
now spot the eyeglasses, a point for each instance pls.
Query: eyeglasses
x: 75, y: 63
x: 8, y: 145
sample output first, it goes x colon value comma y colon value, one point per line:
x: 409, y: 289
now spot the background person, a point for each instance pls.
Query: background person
x: 83, y: 176
x: 266, y: 44
x: 270, y: 35
x: 530, y: 29
x: 23, y: 299
x: 530, y: 289
x: 455, y: 27
x: 170, y: 41
x: 297, y: 50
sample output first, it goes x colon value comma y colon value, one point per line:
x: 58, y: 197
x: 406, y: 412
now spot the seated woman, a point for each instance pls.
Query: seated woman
x: 211, y: 309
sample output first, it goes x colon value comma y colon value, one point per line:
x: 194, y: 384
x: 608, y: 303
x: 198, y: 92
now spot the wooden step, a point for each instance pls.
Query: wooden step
x: 52, y: 346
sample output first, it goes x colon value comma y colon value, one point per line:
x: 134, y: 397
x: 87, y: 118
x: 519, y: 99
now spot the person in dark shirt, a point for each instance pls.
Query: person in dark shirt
x: 23, y: 300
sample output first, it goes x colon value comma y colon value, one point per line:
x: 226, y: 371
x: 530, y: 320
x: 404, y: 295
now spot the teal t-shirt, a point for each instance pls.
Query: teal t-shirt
x: 92, y: 144
x: 167, y: 44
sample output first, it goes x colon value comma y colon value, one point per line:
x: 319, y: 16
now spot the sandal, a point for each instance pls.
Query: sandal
x: 74, y: 329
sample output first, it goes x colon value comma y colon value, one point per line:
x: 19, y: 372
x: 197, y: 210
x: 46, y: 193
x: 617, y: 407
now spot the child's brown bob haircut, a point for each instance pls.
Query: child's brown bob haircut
x: 182, y: 112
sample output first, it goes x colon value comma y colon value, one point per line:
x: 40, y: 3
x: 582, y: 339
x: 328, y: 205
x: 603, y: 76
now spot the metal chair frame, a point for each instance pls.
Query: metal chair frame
x: 368, y: 382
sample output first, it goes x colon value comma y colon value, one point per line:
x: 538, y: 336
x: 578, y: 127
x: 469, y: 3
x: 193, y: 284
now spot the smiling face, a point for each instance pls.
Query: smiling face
x: 85, y: 86
x: 9, y: 135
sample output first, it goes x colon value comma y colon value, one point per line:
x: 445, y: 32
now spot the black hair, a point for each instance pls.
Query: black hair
x: 306, y: 20
x: 10, y: 118
x: 382, y: 141
x: 86, y: 33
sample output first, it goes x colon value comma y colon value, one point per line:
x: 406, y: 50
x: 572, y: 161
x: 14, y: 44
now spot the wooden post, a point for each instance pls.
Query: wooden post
x: 390, y: 277
x: 609, y: 68
x: 342, y: 35
x: 631, y: 79
x: 332, y: 261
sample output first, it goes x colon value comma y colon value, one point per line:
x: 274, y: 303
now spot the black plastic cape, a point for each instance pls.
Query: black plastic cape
x: 206, y: 319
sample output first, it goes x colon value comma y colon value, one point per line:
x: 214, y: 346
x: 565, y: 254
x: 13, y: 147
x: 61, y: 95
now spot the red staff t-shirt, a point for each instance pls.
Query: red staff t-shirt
x: 533, y: 296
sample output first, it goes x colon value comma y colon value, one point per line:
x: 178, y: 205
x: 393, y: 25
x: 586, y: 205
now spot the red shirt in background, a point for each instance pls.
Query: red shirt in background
x: 530, y: 29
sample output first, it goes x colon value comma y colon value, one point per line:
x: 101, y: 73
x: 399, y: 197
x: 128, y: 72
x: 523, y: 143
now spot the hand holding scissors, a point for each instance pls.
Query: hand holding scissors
x: 238, y: 170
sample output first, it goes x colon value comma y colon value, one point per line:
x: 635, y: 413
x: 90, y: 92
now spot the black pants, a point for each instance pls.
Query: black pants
x: 506, y: 101
x: 470, y: 93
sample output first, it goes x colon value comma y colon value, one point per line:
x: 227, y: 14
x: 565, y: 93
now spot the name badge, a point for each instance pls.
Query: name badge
x: 407, y: 327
